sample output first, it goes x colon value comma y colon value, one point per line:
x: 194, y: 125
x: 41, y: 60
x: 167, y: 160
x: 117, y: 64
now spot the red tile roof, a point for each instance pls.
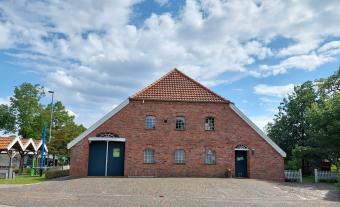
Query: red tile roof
x: 5, y: 141
x: 176, y: 86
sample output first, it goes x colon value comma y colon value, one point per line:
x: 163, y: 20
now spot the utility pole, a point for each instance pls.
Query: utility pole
x: 49, y: 138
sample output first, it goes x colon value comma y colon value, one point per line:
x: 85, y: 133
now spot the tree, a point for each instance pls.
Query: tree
x: 64, y: 128
x: 7, y: 119
x: 27, y: 109
x: 290, y: 124
x: 324, y: 116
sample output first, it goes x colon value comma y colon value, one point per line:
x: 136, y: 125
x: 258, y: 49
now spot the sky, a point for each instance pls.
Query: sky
x: 96, y: 53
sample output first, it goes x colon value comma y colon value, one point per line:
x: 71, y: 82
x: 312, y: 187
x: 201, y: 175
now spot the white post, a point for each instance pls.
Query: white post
x: 316, y: 179
x: 300, y: 173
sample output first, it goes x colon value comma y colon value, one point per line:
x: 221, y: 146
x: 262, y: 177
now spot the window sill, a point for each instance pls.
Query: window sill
x: 149, y: 163
x: 179, y: 129
x: 209, y: 130
x: 179, y: 163
x: 210, y: 163
x: 150, y: 128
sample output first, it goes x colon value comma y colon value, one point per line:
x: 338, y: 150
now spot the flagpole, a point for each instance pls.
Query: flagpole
x: 42, y: 151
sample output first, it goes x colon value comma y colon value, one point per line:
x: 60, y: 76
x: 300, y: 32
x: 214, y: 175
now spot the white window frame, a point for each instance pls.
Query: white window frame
x: 149, y: 156
x: 150, y: 122
x: 210, y: 157
x: 180, y: 156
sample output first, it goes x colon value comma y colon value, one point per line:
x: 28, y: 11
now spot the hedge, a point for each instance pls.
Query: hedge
x: 57, y: 174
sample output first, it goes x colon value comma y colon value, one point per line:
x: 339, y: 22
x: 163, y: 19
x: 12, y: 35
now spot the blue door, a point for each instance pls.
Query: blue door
x: 97, y: 158
x: 241, y: 163
x: 115, y: 164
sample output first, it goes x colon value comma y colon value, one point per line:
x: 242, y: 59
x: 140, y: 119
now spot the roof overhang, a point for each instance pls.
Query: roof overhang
x: 97, y: 124
x: 38, y: 146
x: 258, y: 130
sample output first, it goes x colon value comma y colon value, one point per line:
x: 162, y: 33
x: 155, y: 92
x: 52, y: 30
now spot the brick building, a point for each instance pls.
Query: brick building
x: 176, y: 127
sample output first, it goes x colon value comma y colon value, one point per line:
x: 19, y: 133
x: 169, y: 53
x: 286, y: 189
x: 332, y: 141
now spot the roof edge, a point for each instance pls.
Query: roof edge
x: 257, y: 129
x: 98, y: 123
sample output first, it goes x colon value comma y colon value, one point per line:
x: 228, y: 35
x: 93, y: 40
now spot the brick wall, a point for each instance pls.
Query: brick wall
x: 230, y: 130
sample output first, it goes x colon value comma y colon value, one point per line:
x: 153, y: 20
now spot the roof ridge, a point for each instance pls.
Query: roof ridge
x: 212, y: 96
x: 201, y: 85
x: 154, y: 83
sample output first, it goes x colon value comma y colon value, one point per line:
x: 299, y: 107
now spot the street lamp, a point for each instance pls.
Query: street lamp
x: 49, y: 139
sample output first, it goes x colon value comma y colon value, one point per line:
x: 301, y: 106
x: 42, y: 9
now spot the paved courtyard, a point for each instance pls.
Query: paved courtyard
x: 168, y: 192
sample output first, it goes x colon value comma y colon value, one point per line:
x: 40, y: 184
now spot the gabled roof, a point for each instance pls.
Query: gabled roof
x: 38, y: 144
x: 176, y: 86
x: 10, y: 143
x: 28, y: 144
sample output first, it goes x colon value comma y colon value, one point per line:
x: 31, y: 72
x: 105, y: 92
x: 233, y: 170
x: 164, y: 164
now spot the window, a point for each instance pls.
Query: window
x: 209, y: 123
x: 180, y: 123
x: 210, y: 157
x: 179, y: 156
x: 149, y: 156
x: 150, y: 122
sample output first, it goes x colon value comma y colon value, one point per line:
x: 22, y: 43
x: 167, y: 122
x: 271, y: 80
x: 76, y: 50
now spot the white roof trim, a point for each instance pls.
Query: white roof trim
x: 39, y: 145
x: 110, y: 139
x: 97, y: 124
x: 15, y: 141
x: 30, y: 141
x: 258, y: 130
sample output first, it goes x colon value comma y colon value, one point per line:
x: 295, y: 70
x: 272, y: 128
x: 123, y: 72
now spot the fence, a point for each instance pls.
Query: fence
x: 324, y: 175
x: 293, y: 175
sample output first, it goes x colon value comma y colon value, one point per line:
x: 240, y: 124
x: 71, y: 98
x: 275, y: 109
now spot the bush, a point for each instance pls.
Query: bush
x: 57, y: 174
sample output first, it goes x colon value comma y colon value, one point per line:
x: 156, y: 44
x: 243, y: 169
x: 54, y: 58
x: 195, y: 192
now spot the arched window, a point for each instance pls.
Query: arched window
x: 210, y: 157
x: 107, y: 134
x: 241, y: 147
x: 179, y: 156
x: 150, y: 122
x: 149, y: 156
x: 209, y: 123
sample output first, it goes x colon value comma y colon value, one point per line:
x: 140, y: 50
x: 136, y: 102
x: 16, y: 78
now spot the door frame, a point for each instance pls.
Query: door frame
x: 244, y: 148
x: 107, y: 139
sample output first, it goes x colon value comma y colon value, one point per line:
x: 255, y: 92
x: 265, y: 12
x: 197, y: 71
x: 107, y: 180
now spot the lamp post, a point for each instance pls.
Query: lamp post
x: 49, y: 138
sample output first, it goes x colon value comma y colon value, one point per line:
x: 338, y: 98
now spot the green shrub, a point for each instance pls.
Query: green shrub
x: 57, y: 174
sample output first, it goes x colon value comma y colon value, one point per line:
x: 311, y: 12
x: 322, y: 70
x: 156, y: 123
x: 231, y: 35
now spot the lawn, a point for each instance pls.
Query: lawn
x: 25, y: 179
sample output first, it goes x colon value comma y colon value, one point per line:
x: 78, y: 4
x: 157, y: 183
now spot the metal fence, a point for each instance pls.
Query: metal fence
x: 293, y: 175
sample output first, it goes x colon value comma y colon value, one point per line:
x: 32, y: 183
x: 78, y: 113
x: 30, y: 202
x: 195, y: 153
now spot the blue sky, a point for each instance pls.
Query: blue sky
x: 94, y: 54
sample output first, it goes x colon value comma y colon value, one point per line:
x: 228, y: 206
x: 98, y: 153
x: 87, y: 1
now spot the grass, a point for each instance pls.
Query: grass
x: 308, y: 179
x: 25, y: 179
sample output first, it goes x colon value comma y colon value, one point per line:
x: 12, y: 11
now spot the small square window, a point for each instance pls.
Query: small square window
x: 150, y: 122
x: 209, y: 123
x: 180, y: 123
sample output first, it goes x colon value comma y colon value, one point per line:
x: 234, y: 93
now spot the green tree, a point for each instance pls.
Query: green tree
x: 27, y: 109
x: 290, y: 124
x: 64, y: 129
x: 7, y: 119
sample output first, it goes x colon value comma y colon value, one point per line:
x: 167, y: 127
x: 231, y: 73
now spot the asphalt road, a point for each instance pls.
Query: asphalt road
x: 169, y: 192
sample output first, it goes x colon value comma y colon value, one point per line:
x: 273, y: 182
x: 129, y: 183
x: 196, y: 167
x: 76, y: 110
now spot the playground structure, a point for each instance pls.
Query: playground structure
x: 13, y: 146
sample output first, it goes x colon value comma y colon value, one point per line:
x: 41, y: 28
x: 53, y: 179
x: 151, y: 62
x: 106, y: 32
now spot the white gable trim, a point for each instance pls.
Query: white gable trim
x: 15, y: 140
x: 30, y: 141
x: 97, y: 124
x: 258, y: 130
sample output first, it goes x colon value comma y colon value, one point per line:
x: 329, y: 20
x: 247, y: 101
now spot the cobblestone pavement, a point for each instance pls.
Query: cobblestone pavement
x: 169, y: 192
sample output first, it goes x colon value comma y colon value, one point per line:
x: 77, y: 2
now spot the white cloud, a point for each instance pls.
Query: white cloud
x: 279, y: 91
x: 5, y: 100
x: 94, y: 56
x: 261, y: 121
